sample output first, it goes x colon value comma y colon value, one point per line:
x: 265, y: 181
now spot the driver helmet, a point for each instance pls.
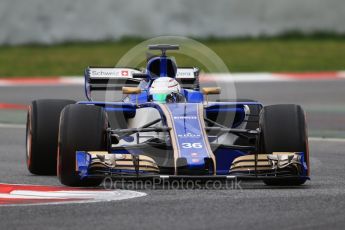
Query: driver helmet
x: 162, y: 87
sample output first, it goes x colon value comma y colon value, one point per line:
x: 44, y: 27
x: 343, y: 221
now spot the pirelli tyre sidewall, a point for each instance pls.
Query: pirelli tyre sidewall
x: 42, y: 134
x: 82, y: 128
x: 283, y: 129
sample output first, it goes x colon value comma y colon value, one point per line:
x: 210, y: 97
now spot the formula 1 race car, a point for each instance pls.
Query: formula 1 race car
x: 165, y: 126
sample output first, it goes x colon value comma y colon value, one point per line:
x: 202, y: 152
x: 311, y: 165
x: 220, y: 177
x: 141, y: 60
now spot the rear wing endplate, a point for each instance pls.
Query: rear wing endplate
x: 108, y: 78
x: 188, y: 77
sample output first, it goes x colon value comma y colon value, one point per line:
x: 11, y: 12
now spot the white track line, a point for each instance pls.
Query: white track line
x: 204, y: 77
x: 64, y: 196
x: 61, y: 195
x: 243, y: 77
x: 327, y: 139
x: 12, y: 126
x: 341, y: 74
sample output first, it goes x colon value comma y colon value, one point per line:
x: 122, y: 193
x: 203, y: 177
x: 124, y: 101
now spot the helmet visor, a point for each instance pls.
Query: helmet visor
x: 161, y: 97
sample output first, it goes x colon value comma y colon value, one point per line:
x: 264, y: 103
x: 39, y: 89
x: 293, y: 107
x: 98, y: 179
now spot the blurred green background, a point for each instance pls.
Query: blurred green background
x: 279, y: 54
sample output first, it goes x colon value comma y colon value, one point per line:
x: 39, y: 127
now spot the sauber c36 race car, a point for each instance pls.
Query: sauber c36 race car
x: 164, y: 127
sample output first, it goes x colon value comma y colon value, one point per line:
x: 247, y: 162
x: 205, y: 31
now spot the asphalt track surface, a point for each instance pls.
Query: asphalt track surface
x: 319, y: 204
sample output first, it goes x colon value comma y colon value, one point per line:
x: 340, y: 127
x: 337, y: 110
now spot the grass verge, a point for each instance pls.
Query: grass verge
x: 240, y: 55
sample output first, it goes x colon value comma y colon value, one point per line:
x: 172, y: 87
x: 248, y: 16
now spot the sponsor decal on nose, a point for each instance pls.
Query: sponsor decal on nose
x: 195, y: 160
x: 194, y: 154
x: 185, y: 117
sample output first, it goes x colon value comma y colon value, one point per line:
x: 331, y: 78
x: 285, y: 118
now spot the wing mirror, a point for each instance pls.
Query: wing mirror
x: 132, y: 90
x: 209, y: 91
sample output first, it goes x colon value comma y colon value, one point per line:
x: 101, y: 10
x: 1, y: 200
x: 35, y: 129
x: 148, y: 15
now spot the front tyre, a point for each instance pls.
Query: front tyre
x: 283, y: 129
x: 42, y: 127
x: 82, y: 128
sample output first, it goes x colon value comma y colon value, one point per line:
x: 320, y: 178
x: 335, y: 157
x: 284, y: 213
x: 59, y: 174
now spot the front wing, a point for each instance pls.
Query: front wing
x: 101, y: 164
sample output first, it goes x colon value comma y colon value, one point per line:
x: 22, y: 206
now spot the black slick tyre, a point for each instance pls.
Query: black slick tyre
x: 283, y: 129
x: 82, y: 128
x: 42, y: 135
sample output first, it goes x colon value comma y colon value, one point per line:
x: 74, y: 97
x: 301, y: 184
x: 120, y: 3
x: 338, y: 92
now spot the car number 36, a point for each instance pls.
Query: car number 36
x: 191, y: 145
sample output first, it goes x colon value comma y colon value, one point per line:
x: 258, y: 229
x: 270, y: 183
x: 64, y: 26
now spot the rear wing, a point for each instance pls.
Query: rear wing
x: 108, y: 78
x: 114, y: 78
x: 188, y: 77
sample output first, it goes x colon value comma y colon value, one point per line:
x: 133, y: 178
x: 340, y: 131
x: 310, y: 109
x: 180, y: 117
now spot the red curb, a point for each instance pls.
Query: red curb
x: 7, y: 188
x: 10, y: 199
x: 309, y: 75
x: 30, y: 81
x: 255, y: 77
x: 13, y: 106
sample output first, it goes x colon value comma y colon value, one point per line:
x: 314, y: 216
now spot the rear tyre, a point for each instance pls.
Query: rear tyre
x: 283, y: 129
x: 42, y: 127
x: 82, y: 128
